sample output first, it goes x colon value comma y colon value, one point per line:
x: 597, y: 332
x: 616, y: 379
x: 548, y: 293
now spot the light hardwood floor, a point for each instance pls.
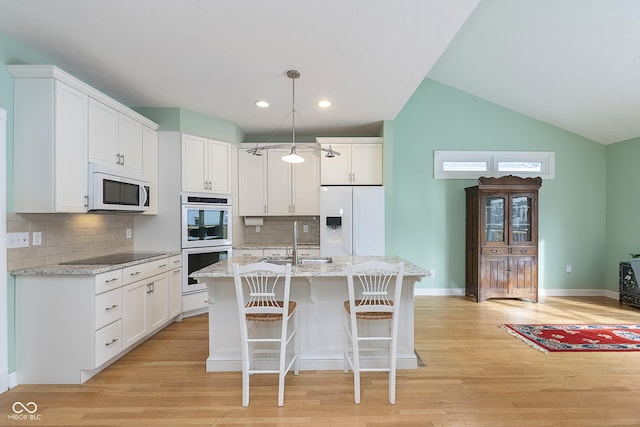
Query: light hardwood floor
x: 475, y: 375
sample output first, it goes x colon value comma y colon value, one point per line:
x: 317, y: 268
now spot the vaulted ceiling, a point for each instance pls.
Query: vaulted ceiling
x: 570, y: 63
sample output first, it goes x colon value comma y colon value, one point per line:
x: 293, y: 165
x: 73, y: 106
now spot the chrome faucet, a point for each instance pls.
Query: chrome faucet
x: 294, y: 252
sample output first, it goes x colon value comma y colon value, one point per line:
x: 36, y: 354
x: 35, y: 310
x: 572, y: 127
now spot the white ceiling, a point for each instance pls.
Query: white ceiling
x: 571, y: 63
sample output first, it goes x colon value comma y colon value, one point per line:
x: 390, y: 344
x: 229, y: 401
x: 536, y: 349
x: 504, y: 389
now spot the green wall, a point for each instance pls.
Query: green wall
x: 623, y: 206
x: 181, y: 120
x: 426, y: 221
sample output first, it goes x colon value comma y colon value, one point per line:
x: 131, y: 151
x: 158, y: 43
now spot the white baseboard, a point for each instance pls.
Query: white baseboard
x: 541, y: 292
x: 13, y: 379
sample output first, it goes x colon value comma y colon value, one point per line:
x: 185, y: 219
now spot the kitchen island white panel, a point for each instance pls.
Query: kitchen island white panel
x: 320, y: 291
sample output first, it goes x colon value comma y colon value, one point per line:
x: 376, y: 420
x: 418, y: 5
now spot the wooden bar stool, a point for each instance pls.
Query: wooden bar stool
x: 262, y: 293
x: 372, y: 283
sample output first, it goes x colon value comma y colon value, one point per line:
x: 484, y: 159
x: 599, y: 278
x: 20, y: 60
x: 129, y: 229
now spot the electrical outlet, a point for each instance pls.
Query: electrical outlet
x: 18, y: 240
x: 305, y: 228
x: 128, y: 233
x: 431, y: 273
x: 569, y: 268
x: 257, y: 228
x: 36, y: 238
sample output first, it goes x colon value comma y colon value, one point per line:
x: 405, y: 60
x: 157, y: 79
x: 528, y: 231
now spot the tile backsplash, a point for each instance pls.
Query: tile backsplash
x: 278, y: 231
x: 68, y: 237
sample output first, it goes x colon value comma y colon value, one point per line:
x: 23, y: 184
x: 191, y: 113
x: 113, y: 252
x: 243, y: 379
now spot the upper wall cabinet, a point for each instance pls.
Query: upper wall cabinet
x: 269, y: 186
x: 52, y: 133
x: 150, y: 166
x: 359, y: 162
x: 252, y: 184
x: 206, y: 165
x: 113, y: 137
x: 292, y: 188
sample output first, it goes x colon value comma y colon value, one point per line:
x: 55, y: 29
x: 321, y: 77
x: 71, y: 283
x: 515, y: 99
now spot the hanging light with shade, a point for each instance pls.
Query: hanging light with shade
x: 293, y: 156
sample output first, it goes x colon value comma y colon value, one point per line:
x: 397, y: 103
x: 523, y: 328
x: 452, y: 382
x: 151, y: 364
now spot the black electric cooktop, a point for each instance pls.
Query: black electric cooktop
x: 113, y: 259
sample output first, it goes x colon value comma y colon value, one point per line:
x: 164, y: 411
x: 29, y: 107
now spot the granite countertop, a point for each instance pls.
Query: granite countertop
x: 84, y: 269
x: 333, y: 269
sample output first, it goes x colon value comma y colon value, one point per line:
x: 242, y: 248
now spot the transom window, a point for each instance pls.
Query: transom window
x: 474, y: 164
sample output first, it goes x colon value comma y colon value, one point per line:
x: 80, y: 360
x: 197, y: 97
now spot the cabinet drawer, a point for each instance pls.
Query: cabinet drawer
x: 276, y: 252
x: 495, y: 251
x: 308, y: 253
x: 104, y: 282
x: 107, y: 343
x: 174, y: 262
x: 247, y: 252
x: 524, y: 251
x: 145, y: 270
x: 108, y: 308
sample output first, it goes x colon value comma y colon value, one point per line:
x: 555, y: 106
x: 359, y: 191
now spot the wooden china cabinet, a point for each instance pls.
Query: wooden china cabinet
x: 502, y: 238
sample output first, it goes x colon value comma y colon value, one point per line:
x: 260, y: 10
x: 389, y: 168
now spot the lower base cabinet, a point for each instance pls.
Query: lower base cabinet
x: 145, y: 308
x: 70, y: 327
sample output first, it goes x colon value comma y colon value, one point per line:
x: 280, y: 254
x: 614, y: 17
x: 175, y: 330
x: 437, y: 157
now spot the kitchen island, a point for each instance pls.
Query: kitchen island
x: 320, y: 290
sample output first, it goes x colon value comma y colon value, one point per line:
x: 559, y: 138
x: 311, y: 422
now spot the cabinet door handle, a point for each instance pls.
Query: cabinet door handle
x: 113, y: 341
x: 122, y: 157
x: 162, y: 265
x: 111, y: 280
x: 111, y: 308
x: 118, y: 159
x: 135, y: 273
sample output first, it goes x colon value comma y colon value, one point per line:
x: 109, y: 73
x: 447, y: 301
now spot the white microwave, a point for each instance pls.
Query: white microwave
x: 113, y: 189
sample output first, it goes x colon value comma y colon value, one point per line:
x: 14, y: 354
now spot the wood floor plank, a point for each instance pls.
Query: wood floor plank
x: 475, y: 374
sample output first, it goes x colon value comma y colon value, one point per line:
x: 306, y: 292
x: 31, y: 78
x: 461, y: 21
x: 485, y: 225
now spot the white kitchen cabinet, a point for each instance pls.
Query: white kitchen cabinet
x: 70, y: 327
x: 130, y: 143
x: 267, y: 185
x: 103, y: 133
x: 50, y: 166
x: 63, y: 325
x: 293, y: 188
x: 50, y: 159
x: 145, y: 299
x: 150, y: 167
x: 252, y: 184
x: 175, y: 286
x: 206, y: 165
x: 135, y: 312
x: 359, y: 162
x: 158, y: 300
x: 305, y: 185
x: 114, y: 138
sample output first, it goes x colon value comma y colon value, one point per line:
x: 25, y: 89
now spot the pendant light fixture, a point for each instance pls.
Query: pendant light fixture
x: 293, y: 156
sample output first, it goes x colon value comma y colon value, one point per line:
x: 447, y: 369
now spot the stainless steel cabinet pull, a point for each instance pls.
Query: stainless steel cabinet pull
x: 113, y: 341
x: 135, y: 273
x: 111, y: 308
x: 162, y: 265
x: 111, y: 280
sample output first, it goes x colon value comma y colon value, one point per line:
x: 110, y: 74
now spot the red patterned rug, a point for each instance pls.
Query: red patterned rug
x: 578, y: 337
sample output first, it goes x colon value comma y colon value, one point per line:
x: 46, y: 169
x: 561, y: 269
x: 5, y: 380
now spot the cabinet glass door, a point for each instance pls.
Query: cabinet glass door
x: 494, y: 219
x: 521, y: 219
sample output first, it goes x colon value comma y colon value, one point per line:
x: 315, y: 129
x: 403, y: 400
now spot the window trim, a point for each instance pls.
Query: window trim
x: 491, y: 158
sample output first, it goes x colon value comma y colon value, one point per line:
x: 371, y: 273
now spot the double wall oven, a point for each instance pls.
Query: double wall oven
x: 206, y: 235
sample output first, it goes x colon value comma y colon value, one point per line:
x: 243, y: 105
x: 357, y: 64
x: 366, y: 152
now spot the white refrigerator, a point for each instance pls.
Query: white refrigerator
x: 352, y: 220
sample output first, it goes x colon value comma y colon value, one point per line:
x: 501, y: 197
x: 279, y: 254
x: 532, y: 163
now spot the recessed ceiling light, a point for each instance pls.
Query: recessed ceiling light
x: 324, y: 103
x: 262, y: 103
